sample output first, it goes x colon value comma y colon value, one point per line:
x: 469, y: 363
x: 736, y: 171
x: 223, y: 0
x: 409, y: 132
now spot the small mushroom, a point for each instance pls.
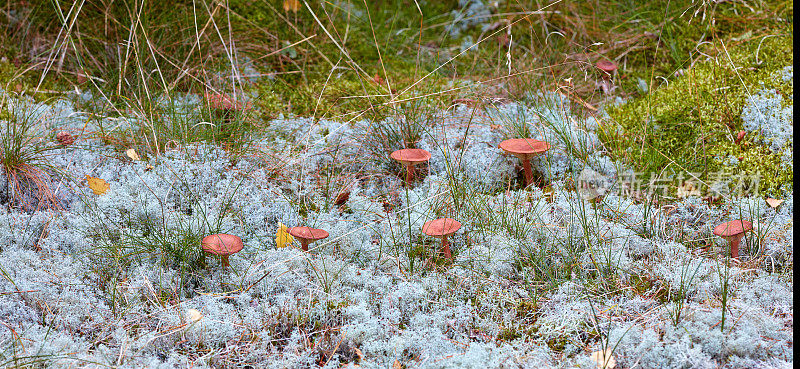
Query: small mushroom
x: 442, y: 228
x: 307, y: 235
x: 226, y: 105
x: 223, y: 245
x: 607, y: 68
x: 410, y: 158
x: 733, y: 232
x: 525, y: 149
x: 65, y: 138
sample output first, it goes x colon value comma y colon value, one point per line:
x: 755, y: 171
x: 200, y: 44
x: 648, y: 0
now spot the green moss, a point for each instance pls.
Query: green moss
x: 16, y: 79
x: 689, y: 125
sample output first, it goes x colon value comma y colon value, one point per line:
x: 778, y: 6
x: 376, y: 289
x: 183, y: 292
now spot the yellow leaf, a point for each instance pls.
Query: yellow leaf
x: 132, y: 154
x: 604, y: 359
x: 282, y: 237
x: 293, y: 5
x: 98, y: 185
x: 774, y: 203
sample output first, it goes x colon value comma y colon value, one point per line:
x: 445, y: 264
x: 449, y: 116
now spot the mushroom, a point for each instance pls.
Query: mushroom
x: 226, y: 105
x: 608, y: 68
x: 525, y: 149
x: 307, y: 235
x: 223, y: 245
x: 441, y: 228
x: 65, y: 138
x: 410, y: 158
x: 733, y: 232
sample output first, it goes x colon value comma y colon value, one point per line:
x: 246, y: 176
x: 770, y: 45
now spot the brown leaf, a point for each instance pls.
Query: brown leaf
x: 98, y: 185
x: 65, y: 138
x: 740, y: 136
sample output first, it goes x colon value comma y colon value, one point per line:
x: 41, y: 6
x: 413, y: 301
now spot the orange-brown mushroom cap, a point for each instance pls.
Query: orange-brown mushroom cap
x: 411, y: 156
x: 733, y: 228
x: 308, y: 233
x: 524, y: 148
x: 606, y: 65
x: 223, y: 102
x: 441, y: 227
x: 222, y: 244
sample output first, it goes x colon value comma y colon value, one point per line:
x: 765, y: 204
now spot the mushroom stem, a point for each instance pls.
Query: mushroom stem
x: 409, y: 173
x: 526, y: 163
x: 304, y: 244
x: 735, y: 246
x: 445, y: 249
x: 225, y: 263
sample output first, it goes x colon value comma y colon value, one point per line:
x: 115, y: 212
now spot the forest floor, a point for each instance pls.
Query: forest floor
x: 132, y: 130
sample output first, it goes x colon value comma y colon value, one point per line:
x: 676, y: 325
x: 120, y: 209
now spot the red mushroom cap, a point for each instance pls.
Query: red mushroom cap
x: 411, y: 156
x: 441, y: 227
x: 524, y: 148
x: 606, y: 65
x: 733, y: 228
x: 222, y: 244
x: 223, y: 102
x: 308, y: 233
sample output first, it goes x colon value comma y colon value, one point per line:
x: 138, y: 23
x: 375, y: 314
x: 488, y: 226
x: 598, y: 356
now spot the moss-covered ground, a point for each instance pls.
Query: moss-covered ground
x: 686, y: 71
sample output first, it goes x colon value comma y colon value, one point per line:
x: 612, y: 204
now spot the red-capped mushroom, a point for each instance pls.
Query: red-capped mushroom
x: 223, y: 245
x: 227, y: 105
x: 409, y: 158
x: 442, y: 228
x: 733, y: 232
x: 307, y: 235
x: 607, y: 68
x: 525, y: 149
x: 65, y: 138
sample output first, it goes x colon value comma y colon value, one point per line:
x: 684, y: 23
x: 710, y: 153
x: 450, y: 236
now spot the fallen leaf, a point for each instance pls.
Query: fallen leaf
x: 65, y: 138
x: 604, y: 359
x: 98, y: 185
x: 740, y: 136
x: 774, y: 203
x: 282, y: 237
x: 397, y: 365
x: 293, y: 5
x: 193, y: 315
x: 131, y: 153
